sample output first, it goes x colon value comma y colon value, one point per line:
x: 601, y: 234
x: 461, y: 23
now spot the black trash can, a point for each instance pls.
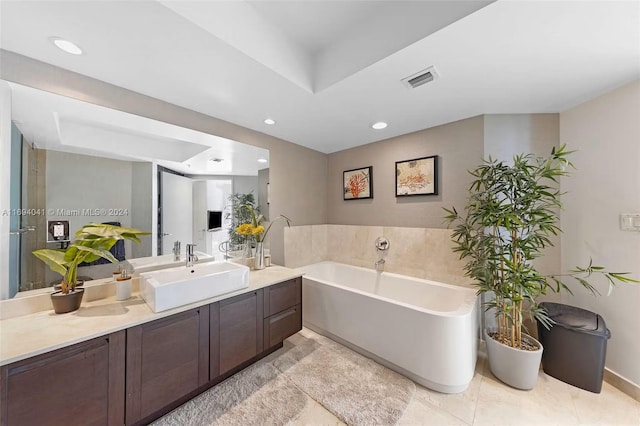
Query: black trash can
x: 576, y: 346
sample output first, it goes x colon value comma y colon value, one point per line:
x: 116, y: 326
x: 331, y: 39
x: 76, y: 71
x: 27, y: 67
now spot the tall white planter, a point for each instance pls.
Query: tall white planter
x: 516, y: 367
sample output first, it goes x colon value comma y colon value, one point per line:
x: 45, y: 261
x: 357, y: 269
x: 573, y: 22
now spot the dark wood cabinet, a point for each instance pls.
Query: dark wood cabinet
x: 136, y: 375
x: 236, y: 329
x: 282, y: 311
x: 167, y: 359
x: 282, y: 325
x: 282, y: 296
x: 83, y: 383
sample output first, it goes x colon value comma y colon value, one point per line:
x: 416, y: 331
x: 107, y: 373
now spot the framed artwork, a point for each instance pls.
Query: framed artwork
x: 417, y: 177
x: 357, y: 183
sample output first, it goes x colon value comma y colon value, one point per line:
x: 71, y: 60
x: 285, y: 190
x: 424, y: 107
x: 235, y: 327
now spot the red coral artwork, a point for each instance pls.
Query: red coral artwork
x: 357, y: 184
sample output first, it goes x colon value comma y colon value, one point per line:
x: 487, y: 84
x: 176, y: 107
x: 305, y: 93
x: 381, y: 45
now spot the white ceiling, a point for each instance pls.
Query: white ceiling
x: 59, y: 123
x: 326, y: 70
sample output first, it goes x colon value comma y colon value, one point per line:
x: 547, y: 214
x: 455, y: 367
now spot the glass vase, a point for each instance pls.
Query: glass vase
x: 248, y: 249
x: 258, y: 261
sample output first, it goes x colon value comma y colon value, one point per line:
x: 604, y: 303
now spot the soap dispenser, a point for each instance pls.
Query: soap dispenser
x: 117, y: 273
x: 123, y: 286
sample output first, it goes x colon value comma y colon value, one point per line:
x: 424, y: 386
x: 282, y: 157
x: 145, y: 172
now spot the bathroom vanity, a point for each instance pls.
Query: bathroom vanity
x: 116, y: 362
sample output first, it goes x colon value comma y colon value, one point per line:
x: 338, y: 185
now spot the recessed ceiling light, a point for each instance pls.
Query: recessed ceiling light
x: 379, y: 125
x: 262, y: 160
x: 66, y: 45
x: 269, y: 121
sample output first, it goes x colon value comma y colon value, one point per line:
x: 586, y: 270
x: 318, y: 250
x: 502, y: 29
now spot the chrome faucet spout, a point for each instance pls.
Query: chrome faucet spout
x: 379, y: 265
x: 176, y: 251
x: 191, y: 257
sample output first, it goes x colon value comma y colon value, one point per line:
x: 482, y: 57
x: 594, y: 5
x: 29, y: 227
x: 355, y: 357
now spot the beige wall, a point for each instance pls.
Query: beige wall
x: 416, y: 252
x: 606, y: 134
x: 508, y: 134
x: 459, y: 146
x: 77, y: 182
x: 297, y: 175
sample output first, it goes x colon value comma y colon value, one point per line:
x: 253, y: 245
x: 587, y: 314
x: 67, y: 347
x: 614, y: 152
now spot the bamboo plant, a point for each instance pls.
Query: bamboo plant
x: 511, y: 215
x: 92, y: 242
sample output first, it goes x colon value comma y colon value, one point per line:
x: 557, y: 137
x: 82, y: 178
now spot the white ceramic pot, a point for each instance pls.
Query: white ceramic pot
x: 516, y: 367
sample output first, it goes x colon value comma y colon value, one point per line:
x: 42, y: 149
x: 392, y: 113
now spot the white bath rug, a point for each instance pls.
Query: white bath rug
x: 258, y: 395
x: 356, y: 389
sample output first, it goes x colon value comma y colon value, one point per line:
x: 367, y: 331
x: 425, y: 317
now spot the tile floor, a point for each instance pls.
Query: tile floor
x: 488, y: 401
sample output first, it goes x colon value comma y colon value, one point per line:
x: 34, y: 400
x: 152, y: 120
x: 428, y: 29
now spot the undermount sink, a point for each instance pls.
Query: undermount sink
x: 173, y: 287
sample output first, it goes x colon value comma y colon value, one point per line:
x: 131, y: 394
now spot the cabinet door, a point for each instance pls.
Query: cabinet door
x: 166, y: 360
x: 81, y: 383
x: 282, y: 296
x: 238, y: 322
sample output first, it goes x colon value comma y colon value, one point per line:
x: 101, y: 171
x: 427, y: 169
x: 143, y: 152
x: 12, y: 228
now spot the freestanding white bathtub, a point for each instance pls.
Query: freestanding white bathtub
x: 425, y: 330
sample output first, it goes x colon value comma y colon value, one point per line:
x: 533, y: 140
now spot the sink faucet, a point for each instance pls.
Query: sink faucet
x: 176, y: 251
x: 191, y: 257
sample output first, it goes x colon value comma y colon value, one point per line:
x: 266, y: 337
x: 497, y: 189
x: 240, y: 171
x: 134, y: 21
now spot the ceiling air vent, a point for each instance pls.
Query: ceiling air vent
x: 420, y: 78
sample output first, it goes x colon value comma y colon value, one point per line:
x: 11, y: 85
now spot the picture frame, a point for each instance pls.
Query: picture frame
x: 357, y: 184
x: 418, y: 176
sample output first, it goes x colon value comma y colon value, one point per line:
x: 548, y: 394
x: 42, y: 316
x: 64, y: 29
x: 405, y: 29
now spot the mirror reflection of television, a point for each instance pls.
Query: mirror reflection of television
x: 214, y: 220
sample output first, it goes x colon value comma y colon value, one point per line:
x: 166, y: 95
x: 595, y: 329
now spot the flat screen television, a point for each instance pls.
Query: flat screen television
x: 214, y: 219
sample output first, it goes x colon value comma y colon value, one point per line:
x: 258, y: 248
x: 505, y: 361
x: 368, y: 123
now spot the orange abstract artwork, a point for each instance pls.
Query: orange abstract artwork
x: 417, y: 177
x: 357, y: 184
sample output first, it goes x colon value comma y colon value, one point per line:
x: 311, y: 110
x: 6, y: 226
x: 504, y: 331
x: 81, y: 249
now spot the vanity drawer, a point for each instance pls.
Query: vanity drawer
x: 280, y: 297
x: 280, y: 326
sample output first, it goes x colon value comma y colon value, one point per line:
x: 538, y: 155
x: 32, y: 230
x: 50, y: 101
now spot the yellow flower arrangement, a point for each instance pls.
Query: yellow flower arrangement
x: 249, y: 229
x: 255, y: 228
x: 245, y: 229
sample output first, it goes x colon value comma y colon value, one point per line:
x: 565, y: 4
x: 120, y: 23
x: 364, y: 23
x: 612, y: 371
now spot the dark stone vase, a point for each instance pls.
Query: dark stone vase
x: 63, y: 303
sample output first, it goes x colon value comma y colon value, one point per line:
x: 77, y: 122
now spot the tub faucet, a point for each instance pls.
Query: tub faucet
x: 382, y: 246
x: 176, y: 251
x: 191, y: 257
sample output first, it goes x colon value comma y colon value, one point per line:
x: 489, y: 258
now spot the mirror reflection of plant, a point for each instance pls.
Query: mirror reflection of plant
x: 511, y: 214
x: 239, y: 215
x: 92, y: 242
x: 254, y: 226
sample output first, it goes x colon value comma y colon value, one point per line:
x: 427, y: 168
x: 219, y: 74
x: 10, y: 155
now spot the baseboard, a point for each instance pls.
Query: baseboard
x: 622, y: 384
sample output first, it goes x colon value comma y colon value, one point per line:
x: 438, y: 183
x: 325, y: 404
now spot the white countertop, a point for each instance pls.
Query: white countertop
x: 29, y: 335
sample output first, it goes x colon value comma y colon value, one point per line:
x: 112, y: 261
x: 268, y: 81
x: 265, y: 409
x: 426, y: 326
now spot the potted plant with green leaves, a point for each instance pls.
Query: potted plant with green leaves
x: 92, y: 242
x: 510, y: 217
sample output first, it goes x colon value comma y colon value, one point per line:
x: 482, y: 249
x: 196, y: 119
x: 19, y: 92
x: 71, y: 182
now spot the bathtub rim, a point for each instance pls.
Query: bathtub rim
x: 467, y: 307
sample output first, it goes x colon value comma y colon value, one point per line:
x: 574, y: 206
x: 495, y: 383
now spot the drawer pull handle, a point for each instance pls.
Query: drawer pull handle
x: 284, y: 315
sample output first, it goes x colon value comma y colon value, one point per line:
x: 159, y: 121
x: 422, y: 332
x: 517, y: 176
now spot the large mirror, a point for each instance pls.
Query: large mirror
x: 73, y: 163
